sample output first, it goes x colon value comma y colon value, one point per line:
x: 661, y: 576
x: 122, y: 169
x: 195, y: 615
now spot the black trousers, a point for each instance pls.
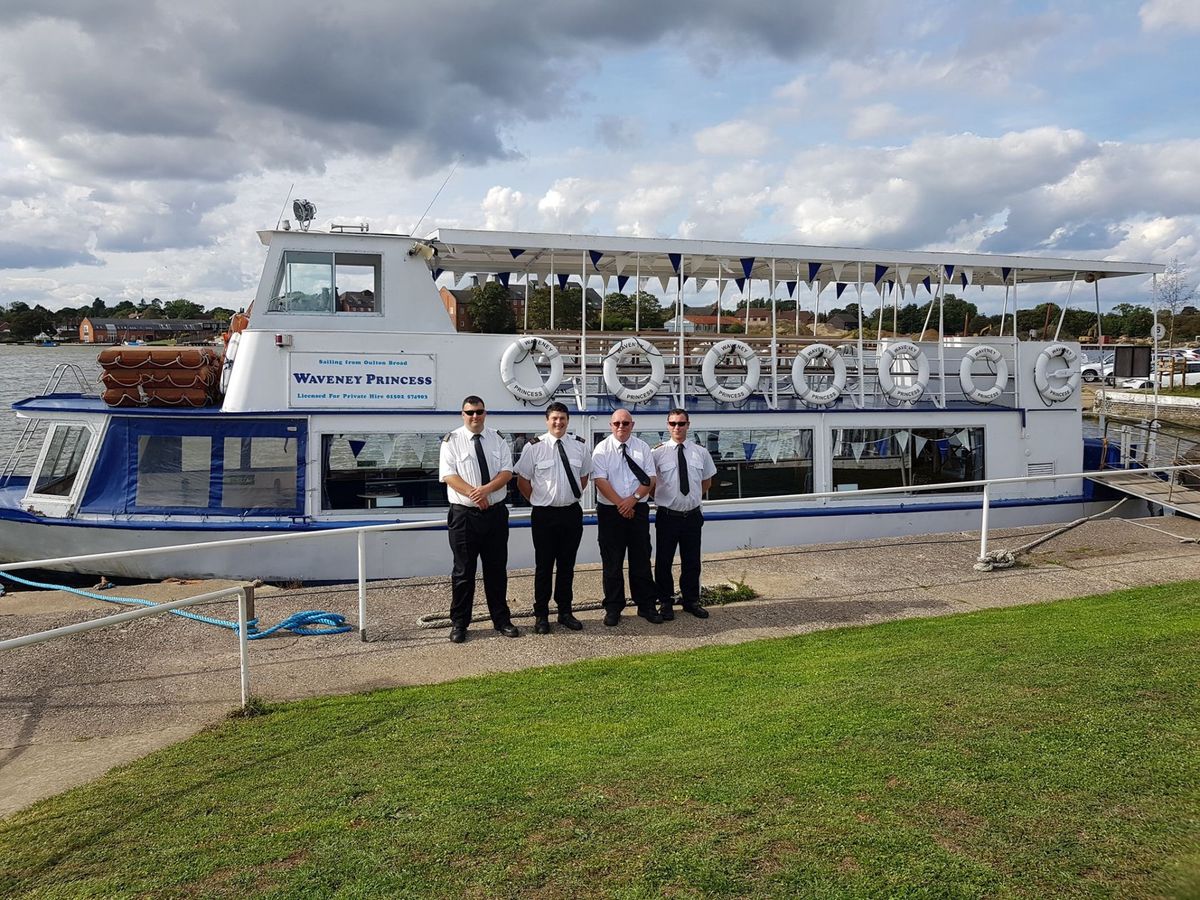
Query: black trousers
x: 557, y: 531
x: 683, y: 532
x: 618, y: 536
x: 479, y: 534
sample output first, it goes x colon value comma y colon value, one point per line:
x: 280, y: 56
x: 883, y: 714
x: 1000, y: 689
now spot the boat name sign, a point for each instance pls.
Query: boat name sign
x: 372, y: 380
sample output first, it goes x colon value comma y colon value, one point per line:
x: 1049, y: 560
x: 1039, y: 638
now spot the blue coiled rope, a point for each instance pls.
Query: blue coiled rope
x: 298, y: 623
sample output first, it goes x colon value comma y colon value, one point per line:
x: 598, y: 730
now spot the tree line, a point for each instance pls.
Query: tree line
x: 25, y: 321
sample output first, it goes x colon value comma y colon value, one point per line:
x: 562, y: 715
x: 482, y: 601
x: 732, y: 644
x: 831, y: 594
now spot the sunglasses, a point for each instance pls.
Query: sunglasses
x: 474, y: 412
x: 678, y: 424
x: 622, y: 424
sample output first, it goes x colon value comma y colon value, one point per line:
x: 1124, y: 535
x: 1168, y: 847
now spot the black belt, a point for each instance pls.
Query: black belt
x: 676, y: 514
x: 474, y: 508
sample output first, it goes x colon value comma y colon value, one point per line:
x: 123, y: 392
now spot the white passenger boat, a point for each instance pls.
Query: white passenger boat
x: 335, y: 395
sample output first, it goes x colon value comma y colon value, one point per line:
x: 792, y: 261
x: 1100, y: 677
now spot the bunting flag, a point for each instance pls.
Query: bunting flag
x: 776, y: 448
x: 741, y: 283
x: 437, y: 273
x: 1005, y: 272
x: 890, y: 284
x: 747, y: 265
x: 902, y: 273
x: 791, y: 288
x: 880, y: 271
x: 964, y: 438
x: 857, y: 447
x: 837, y: 270
x: 881, y: 447
x: 356, y: 447
x: 622, y: 280
x: 664, y: 280
x: 676, y: 259
x: 700, y: 283
x: 901, y: 439
x: 841, y: 287
x: 749, y: 449
x: 515, y: 253
x: 927, y: 281
x: 595, y: 255
x: 919, y: 443
x: 943, y: 448
x: 964, y: 279
x: 949, y: 273
x: 813, y: 269
x: 562, y: 281
x: 502, y: 277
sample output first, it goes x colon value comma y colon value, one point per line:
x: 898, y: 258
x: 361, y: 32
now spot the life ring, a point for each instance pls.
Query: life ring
x: 887, y: 384
x: 1042, y: 374
x: 966, y: 377
x: 623, y: 350
x: 804, y: 390
x: 746, y: 354
x: 521, y: 348
x: 227, y: 366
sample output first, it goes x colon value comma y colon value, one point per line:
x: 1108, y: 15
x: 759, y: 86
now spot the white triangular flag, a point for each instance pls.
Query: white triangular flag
x: 857, y: 447
x: 902, y: 440
x: 919, y: 443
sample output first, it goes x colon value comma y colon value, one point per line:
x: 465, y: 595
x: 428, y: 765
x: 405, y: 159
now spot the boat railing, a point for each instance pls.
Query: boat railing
x: 683, y: 360
x: 25, y: 441
x: 361, y: 532
x: 241, y: 592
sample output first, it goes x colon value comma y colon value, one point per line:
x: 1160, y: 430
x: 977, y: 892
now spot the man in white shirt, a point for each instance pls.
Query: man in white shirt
x: 476, y: 465
x: 623, y: 469
x: 551, y: 474
x: 685, y: 473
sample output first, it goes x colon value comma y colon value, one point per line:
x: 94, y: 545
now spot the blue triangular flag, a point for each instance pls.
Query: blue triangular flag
x: 791, y: 286
x: 962, y: 276
x: 749, y: 449
x: 881, y: 446
x: 880, y: 271
x: 740, y: 282
x: 1005, y: 271
x: 622, y: 280
x: 813, y: 269
x: 926, y: 282
x: 502, y: 277
x: 840, y: 287
x: 595, y: 255
x: 356, y: 447
x: 436, y: 273
x: 747, y: 265
x: 676, y: 259
x: 949, y: 272
x: 515, y: 253
x: 562, y: 281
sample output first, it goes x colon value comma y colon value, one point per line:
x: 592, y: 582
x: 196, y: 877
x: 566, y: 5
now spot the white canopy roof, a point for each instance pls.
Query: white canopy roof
x: 463, y: 251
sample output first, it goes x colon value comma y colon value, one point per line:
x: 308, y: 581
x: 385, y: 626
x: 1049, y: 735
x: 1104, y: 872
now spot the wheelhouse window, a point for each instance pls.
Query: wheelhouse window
x: 887, y: 457
x: 64, y: 453
x: 319, y: 282
x: 758, y: 462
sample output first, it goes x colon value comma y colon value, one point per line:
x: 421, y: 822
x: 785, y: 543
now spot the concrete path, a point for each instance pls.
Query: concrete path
x: 72, y: 708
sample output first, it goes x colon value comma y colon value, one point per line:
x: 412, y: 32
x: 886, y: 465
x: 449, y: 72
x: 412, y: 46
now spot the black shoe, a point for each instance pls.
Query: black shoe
x: 696, y: 610
x: 541, y: 626
x: 509, y: 630
x: 458, y: 634
x: 612, y: 618
x: 668, y: 614
x: 651, y: 615
x: 569, y: 621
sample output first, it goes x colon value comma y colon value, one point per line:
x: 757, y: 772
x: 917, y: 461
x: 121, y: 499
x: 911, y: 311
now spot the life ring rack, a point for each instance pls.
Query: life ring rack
x: 621, y: 351
x: 1041, y: 373
x: 966, y: 377
x: 708, y: 371
x: 904, y: 393
x: 803, y: 387
x: 516, y: 352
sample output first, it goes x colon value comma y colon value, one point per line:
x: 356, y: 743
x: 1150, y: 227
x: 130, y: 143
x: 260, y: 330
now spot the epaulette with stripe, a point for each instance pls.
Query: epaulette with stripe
x: 446, y: 436
x: 534, y: 440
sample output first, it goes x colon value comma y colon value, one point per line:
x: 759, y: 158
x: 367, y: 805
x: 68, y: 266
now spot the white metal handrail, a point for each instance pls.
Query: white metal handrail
x: 156, y: 610
x: 362, y: 530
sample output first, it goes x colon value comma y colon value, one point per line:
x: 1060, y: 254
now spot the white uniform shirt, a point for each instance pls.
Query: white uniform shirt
x: 609, y: 463
x: 458, y: 458
x: 700, y: 467
x: 542, y: 467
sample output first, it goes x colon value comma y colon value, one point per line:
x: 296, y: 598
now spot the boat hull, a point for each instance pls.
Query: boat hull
x: 333, y: 557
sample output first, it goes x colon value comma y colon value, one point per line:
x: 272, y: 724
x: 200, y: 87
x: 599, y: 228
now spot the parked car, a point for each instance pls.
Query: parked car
x: 1186, y: 375
x: 1097, y: 370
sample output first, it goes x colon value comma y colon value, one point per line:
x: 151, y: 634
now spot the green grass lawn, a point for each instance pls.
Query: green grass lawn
x: 1040, y: 751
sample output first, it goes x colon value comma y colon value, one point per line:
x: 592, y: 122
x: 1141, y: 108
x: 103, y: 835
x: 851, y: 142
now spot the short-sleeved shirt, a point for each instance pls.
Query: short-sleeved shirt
x: 458, y: 458
x: 700, y: 467
x: 609, y: 463
x: 542, y: 467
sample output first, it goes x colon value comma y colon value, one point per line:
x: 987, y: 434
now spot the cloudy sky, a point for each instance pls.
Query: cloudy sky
x: 142, y: 143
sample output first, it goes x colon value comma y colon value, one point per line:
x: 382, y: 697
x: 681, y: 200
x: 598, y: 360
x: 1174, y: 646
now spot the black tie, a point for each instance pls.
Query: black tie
x: 484, y: 475
x: 562, y: 454
x: 638, y: 472
x: 683, y: 475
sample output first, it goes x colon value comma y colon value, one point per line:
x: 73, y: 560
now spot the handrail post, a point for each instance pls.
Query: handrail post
x: 983, y: 524
x: 243, y: 646
x: 362, y: 586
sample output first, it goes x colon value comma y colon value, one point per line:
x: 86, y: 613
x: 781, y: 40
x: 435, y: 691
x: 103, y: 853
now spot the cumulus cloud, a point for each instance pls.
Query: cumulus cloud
x: 875, y: 119
x: 1160, y: 15
x: 740, y: 137
x: 502, y: 209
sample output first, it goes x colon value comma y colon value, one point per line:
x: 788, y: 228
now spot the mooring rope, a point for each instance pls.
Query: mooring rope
x: 298, y: 623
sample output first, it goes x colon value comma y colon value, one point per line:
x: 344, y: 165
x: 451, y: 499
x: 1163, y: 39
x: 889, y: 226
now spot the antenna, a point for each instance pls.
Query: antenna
x: 413, y: 231
x: 283, y: 209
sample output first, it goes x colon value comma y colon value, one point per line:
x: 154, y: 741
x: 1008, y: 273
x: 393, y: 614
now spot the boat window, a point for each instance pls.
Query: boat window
x: 259, y: 473
x: 65, y: 448
x: 751, y: 462
x: 889, y: 457
x: 173, y: 470
x: 321, y: 282
x: 374, y: 470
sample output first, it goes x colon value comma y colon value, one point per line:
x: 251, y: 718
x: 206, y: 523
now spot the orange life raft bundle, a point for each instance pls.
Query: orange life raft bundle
x: 160, y: 376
